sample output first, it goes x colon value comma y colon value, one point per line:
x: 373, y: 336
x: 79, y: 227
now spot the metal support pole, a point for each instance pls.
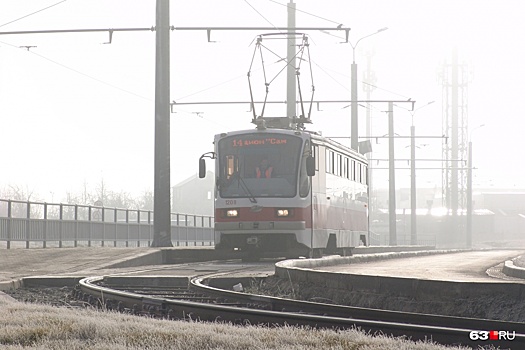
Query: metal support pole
x: 291, y: 82
x: 413, y: 202
x: 469, y: 196
x: 354, y: 136
x: 391, y: 178
x: 162, y: 205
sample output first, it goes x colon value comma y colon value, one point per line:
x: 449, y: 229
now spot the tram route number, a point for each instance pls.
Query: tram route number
x: 231, y: 202
x: 258, y: 142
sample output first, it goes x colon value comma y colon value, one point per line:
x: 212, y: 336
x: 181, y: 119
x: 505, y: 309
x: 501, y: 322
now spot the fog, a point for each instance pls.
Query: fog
x: 75, y: 110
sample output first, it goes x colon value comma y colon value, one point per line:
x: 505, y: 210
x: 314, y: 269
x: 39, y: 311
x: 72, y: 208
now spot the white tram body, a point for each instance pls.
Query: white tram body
x: 289, y: 214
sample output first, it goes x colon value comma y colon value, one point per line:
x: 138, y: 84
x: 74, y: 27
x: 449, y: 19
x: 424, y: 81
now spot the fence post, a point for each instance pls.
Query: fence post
x: 44, y: 243
x: 138, y: 228
x: 90, y: 226
x: 76, y: 225
x: 28, y: 218
x: 127, y: 225
x: 186, y: 224
x: 61, y: 217
x: 103, y: 226
x: 115, y: 213
x: 212, y: 237
x: 195, y: 230
x: 202, y: 227
x: 178, y: 230
x: 150, y: 228
x: 9, y: 219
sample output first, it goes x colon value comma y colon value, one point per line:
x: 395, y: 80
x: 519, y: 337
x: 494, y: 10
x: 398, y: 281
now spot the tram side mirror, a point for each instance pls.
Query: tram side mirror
x: 202, y: 168
x: 310, y: 166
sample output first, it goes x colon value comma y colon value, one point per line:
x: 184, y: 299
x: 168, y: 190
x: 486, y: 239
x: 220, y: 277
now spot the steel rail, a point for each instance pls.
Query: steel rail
x: 277, y: 304
x: 179, y: 309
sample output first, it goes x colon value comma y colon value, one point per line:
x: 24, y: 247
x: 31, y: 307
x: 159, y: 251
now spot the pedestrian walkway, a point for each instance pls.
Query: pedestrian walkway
x: 19, y: 263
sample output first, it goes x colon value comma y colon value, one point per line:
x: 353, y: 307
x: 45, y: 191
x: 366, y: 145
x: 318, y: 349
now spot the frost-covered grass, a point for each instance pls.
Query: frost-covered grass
x: 33, y: 326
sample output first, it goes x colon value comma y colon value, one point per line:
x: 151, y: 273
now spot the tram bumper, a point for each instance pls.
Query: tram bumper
x: 268, y: 239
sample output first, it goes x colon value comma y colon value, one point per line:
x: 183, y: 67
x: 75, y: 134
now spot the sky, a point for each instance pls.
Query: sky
x: 75, y: 111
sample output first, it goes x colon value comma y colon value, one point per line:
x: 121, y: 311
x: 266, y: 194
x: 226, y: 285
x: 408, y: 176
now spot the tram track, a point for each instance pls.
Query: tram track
x: 195, y: 299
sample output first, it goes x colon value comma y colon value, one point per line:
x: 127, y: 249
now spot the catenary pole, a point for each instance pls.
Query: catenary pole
x: 291, y: 88
x: 162, y: 191
x: 392, y: 226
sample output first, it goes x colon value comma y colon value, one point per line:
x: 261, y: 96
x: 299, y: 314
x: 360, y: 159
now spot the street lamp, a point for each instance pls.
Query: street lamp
x: 354, y: 124
x: 469, y: 188
x: 413, y: 202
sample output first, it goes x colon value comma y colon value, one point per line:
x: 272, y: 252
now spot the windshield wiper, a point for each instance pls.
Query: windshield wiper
x: 240, y: 181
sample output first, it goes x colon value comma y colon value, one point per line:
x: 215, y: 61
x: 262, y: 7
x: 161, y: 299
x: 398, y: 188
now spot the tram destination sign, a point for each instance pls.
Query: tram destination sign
x: 268, y: 141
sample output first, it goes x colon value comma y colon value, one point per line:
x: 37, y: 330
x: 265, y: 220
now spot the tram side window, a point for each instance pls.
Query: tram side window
x: 337, y: 164
x: 345, y: 167
x: 352, y: 170
x: 316, y: 156
x: 329, y: 161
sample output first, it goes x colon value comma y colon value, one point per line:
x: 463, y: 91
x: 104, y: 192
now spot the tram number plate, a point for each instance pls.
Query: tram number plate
x: 252, y: 240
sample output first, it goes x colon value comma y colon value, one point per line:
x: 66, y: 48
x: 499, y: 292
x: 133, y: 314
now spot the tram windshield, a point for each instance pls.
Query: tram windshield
x: 259, y: 165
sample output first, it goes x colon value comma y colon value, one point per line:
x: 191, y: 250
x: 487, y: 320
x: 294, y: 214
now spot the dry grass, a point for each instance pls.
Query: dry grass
x: 31, y: 326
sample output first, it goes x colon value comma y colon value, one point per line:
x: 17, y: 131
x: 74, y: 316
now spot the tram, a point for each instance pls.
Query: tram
x: 286, y: 192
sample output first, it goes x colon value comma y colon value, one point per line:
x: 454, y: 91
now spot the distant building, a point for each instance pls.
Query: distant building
x: 509, y: 213
x: 194, y: 195
x: 498, y: 215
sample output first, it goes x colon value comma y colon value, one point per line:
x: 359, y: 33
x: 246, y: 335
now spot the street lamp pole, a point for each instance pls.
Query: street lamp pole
x: 469, y: 189
x: 354, y: 123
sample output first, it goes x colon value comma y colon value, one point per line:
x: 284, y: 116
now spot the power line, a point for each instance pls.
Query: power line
x: 308, y: 13
x: 260, y: 14
x: 360, y: 81
x: 45, y: 8
x: 78, y: 72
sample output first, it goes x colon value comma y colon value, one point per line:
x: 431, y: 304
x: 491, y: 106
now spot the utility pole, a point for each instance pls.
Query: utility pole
x: 291, y: 86
x: 413, y: 201
x: 162, y: 189
x: 354, y: 139
x: 413, y: 190
x: 392, y: 226
x: 354, y: 132
x: 369, y: 80
x: 469, y: 196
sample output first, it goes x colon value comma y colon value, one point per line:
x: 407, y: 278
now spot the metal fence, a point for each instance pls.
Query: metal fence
x: 61, y: 224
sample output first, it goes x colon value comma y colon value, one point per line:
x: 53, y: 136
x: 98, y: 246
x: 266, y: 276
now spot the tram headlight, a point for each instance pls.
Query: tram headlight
x: 284, y: 212
x: 232, y: 213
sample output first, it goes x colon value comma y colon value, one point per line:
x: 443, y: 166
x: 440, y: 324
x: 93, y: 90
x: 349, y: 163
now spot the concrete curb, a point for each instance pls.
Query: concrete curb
x: 512, y: 270
x: 364, y: 257
x: 302, y: 271
x: 12, y: 284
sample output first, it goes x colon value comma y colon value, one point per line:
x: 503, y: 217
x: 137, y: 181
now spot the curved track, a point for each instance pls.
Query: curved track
x: 206, y: 303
